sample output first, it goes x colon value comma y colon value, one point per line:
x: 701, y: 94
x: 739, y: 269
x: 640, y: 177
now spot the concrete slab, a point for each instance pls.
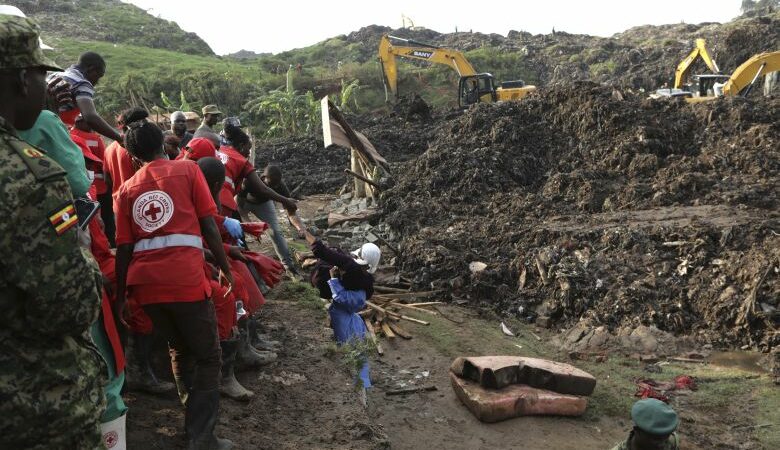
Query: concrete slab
x: 490, y: 405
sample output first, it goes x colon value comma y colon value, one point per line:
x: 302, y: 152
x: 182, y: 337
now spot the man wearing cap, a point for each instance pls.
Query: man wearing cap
x: 51, y: 375
x: 654, y: 426
x: 211, y: 116
x: 179, y: 129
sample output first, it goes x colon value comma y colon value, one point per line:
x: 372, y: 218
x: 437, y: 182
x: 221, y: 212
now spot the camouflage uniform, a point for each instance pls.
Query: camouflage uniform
x: 671, y: 444
x: 51, y: 375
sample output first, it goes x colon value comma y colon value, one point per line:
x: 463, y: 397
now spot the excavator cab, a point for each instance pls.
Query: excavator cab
x: 475, y: 89
x: 705, y: 85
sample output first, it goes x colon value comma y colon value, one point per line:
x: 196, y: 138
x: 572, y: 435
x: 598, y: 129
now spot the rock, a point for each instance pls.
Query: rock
x: 514, y: 401
x: 496, y: 372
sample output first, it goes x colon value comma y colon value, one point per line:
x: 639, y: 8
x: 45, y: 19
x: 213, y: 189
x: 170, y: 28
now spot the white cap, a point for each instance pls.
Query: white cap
x: 14, y: 11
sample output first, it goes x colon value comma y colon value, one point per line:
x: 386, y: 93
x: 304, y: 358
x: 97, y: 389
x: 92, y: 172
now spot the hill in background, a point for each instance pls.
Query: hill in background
x: 110, y: 21
x: 148, y: 56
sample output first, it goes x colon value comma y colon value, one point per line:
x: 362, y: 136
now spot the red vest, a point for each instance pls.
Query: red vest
x: 95, y: 144
x: 158, y: 212
x: 118, y: 164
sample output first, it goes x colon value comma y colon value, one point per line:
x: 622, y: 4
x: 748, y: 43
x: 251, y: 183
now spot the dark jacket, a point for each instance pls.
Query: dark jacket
x: 353, y: 276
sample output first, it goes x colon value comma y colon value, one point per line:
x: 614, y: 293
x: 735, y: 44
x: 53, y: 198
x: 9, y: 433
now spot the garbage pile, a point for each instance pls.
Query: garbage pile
x: 588, y: 203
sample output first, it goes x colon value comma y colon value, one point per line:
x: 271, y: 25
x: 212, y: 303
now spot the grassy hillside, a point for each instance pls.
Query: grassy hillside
x: 110, y: 21
x: 161, y: 58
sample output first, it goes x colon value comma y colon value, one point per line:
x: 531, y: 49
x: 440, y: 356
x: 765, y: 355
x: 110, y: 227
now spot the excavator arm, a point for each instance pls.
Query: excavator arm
x: 419, y: 51
x: 746, y: 74
x: 700, y: 51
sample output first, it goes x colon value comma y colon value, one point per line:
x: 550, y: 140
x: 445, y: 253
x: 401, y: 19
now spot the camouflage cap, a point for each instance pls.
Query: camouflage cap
x: 20, y: 45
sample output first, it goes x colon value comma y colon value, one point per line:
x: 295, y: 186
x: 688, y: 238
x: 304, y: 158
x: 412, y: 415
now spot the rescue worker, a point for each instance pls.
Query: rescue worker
x: 214, y: 173
x: 655, y: 423
x: 51, y: 375
x: 82, y: 78
x: 164, y: 213
x: 95, y: 144
x: 211, y: 115
x: 179, y: 128
x: 235, y: 165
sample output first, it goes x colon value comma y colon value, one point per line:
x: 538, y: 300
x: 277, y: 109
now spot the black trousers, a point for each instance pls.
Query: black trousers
x: 107, y: 214
x: 191, y: 331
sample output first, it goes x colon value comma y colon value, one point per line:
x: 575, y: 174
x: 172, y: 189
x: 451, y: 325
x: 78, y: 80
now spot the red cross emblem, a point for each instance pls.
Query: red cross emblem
x: 152, y: 210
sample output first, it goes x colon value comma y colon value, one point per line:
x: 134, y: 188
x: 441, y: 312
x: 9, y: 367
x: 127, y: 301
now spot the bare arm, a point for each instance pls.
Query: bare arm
x: 211, y: 234
x: 88, y: 111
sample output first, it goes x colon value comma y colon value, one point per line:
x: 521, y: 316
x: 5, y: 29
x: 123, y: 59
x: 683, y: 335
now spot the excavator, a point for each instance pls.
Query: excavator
x: 700, y: 51
x: 473, y: 87
x: 706, y: 87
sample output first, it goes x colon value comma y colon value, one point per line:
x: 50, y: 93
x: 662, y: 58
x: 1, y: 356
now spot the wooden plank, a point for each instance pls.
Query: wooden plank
x: 399, y: 331
x: 412, y: 390
x: 413, y: 308
x: 389, y: 290
x: 424, y: 294
x: 387, y: 331
x: 371, y: 333
x: 424, y: 304
x: 363, y: 179
x: 412, y: 319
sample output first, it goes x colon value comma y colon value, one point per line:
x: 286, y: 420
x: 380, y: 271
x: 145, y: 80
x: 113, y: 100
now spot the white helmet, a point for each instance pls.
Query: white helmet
x: 368, y: 255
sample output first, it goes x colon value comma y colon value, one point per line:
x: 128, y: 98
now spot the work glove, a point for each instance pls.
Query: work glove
x: 233, y: 227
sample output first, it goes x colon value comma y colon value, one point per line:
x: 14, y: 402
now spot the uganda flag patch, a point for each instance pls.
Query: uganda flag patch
x: 63, y: 218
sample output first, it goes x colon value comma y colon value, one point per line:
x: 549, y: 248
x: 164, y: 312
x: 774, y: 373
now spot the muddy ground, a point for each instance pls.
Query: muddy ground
x: 306, y: 400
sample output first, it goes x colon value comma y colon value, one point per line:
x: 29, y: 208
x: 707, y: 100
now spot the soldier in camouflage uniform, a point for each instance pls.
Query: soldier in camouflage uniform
x: 51, y: 375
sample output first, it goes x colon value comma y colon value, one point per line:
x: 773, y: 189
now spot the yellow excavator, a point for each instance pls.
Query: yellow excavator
x: 706, y: 87
x: 700, y: 51
x: 473, y: 87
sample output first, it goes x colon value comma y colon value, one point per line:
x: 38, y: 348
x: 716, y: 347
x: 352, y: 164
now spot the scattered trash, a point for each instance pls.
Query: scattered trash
x: 649, y: 388
x: 506, y: 330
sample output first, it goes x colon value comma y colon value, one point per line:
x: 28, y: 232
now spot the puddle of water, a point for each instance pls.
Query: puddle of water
x: 747, y: 361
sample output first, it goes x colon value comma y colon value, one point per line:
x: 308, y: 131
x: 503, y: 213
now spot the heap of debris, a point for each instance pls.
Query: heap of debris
x: 583, y: 203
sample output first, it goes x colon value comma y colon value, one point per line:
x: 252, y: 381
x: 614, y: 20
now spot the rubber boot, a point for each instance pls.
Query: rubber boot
x: 261, y: 341
x: 229, y: 386
x: 248, y: 356
x: 115, y: 433
x: 200, y: 418
x: 139, y: 373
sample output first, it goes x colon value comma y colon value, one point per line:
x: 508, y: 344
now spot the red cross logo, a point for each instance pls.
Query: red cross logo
x: 152, y: 211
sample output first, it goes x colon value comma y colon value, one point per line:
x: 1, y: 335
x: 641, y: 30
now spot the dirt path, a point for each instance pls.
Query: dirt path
x: 306, y: 401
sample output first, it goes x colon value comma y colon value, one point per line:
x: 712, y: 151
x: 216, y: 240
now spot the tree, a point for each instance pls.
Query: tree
x: 287, y: 112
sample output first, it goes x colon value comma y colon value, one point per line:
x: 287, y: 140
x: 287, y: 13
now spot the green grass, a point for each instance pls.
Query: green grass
x: 303, y: 293
x: 768, y: 400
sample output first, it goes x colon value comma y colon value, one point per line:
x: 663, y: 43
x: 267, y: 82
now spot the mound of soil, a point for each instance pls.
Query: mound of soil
x: 304, y: 160
x: 587, y: 203
x: 399, y: 136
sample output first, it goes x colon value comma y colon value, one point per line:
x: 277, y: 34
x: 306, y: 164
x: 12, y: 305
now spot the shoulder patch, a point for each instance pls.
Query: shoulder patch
x: 41, y: 166
x: 63, y: 218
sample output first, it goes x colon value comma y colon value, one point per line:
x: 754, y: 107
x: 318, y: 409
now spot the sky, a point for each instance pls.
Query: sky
x: 275, y: 26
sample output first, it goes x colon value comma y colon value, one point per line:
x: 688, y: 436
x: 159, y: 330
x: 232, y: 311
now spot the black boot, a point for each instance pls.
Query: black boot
x: 140, y: 376
x: 229, y: 386
x: 259, y: 340
x: 248, y: 356
x: 200, y: 419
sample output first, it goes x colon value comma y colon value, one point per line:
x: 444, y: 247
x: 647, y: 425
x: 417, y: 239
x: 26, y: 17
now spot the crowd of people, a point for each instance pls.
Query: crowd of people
x: 119, y: 237
x: 109, y: 246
